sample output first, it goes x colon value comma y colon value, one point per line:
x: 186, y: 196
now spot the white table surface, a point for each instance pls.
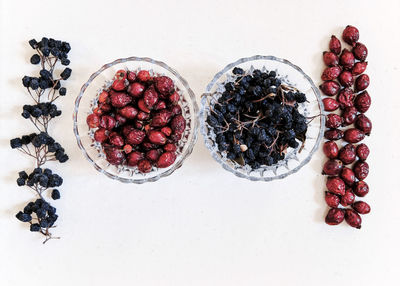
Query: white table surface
x: 201, y: 225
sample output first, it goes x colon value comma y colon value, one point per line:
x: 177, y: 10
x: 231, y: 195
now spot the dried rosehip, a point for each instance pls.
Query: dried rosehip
x: 330, y: 104
x: 93, y: 120
x: 353, y: 135
x: 166, y: 130
x: 332, y: 200
x: 143, y: 76
x: 157, y: 137
x: 361, y: 207
x: 170, y: 147
x: 346, y: 79
x: 361, y: 170
x: 128, y: 112
x: 333, y: 120
x: 362, y: 82
x: 352, y: 218
x: 174, y: 98
x: 331, y: 59
x: 330, y: 73
x: 362, y: 102
x: 361, y: 188
x: 103, y: 97
x: 345, y: 98
x: 135, y: 137
x: 347, y: 154
x: 120, y: 99
x: 176, y: 110
x: 136, y: 89
x: 108, y: 122
x: 334, y: 134
x: 126, y: 129
x: 330, y: 88
x: 332, y: 167
x: 101, y: 135
x: 362, y: 151
x: 98, y: 111
x: 347, y: 199
x: 348, y: 176
x: 178, y: 124
x: 359, y: 68
x: 118, y: 85
x: 334, y: 45
x: 164, y: 84
x: 335, y: 216
x: 364, y: 124
x: 134, y: 158
x: 131, y: 76
x: 144, y: 166
x: 127, y: 149
x: 166, y: 160
x: 143, y: 116
x: 116, y: 139
x: 114, y: 155
x: 153, y: 155
x: 142, y: 106
x: 360, y: 51
x: 150, y: 97
x: 105, y: 107
x: 347, y: 59
x: 161, y: 118
x: 349, y: 115
x: 336, y: 185
x: 160, y: 105
x: 350, y: 35
x: 331, y: 149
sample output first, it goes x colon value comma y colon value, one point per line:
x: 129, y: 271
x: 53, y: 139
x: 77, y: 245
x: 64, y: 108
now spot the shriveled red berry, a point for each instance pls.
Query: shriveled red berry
x: 330, y: 59
x: 114, y: 155
x: 332, y: 167
x: 135, y: 137
x: 131, y: 76
x: 364, y: 124
x: 142, y: 106
x: 166, y: 130
x: 161, y: 118
x: 164, y: 84
x: 126, y: 129
x: 118, y: 85
x: 93, y: 120
x: 347, y: 154
x: 362, y: 102
x: 176, y: 110
x: 345, y: 98
x: 362, y: 82
x: 347, y: 199
x: 136, y: 89
x: 347, y: 59
x: 143, y: 116
x: 147, y: 145
x: 134, y: 158
x: 331, y: 73
x: 346, y: 79
x: 150, y: 97
x: 103, y: 97
x: 360, y: 51
x: 359, y: 68
x: 116, y: 140
x: 331, y: 149
x: 170, y: 147
x: 332, y: 200
x: 153, y: 154
x: 120, y: 120
x: 362, y: 151
x: 333, y: 120
x: 143, y: 76
x: 98, y: 111
x: 361, y: 188
x: 174, y: 98
x: 335, y: 216
x: 178, y: 124
x: 336, y: 185
x: 334, y: 134
x: 144, y: 166
x: 105, y: 107
x: 361, y: 170
x: 330, y: 104
x: 166, y: 160
x: 160, y: 105
x: 129, y: 112
x: 120, y: 99
x: 175, y: 137
x: 350, y: 35
x: 330, y: 88
x: 352, y: 218
x: 334, y: 45
x: 353, y: 135
x: 157, y: 137
x: 108, y: 122
x: 101, y: 135
x: 138, y: 124
x: 120, y: 75
x: 349, y: 115
x: 361, y: 207
x: 127, y: 149
x: 348, y: 176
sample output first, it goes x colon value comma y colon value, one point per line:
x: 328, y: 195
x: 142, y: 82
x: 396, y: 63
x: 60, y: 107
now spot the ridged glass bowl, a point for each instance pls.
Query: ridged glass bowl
x: 86, y: 102
x: 291, y: 75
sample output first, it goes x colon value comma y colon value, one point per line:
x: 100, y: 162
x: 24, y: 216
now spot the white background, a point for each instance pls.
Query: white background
x: 201, y: 225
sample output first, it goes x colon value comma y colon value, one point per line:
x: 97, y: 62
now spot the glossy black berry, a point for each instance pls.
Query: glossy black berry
x: 55, y: 194
x: 33, y: 43
x: 66, y: 73
x: 62, y: 91
x: 35, y: 59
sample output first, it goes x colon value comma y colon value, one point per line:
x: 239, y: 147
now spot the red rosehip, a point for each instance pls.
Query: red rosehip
x: 334, y: 134
x: 161, y: 118
x: 120, y: 120
x: 359, y: 68
x: 103, y: 97
x: 361, y: 207
x: 178, y: 124
x: 120, y: 99
x: 330, y: 104
x: 336, y: 185
x: 334, y: 45
x: 330, y: 59
x: 347, y: 59
x: 129, y: 112
x: 174, y: 98
x: 346, y: 79
x: 362, y: 151
x: 360, y: 51
x: 362, y: 102
x: 347, y: 199
x: 118, y: 85
x: 166, y: 130
x: 347, y: 154
x: 350, y: 35
x: 116, y: 139
x: 142, y: 106
x: 101, y: 135
x: 135, y: 137
x: 150, y: 97
x: 332, y: 167
x: 157, y: 137
x: 134, y: 158
x: 160, y: 105
x: 143, y: 76
x: 143, y: 116
x: 345, y: 98
x: 330, y: 73
x: 120, y: 75
x: 349, y: 115
x: 105, y: 107
x: 126, y: 129
x: 361, y: 170
x: 348, y: 176
x: 331, y: 149
x: 176, y: 110
x: 98, y: 111
x: 114, y: 155
x: 335, y: 216
x: 332, y: 200
x: 352, y: 218
x: 362, y: 82
x: 330, y: 88
x: 170, y: 147
x: 166, y: 160
x: 108, y: 122
x: 136, y: 89
x: 361, y: 188
x: 364, y: 124
x: 127, y: 149
x: 153, y: 154
x: 353, y: 135
x: 175, y: 137
x: 93, y: 120
x: 164, y: 85
x: 131, y: 76
x: 333, y: 120
x: 144, y: 166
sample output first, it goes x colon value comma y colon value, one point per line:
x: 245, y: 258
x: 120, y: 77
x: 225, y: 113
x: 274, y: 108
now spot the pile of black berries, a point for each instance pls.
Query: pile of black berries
x: 41, y: 146
x: 256, y: 119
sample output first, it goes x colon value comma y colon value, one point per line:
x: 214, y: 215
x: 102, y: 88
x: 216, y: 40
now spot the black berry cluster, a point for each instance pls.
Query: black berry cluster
x: 41, y: 146
x: 256, y: 118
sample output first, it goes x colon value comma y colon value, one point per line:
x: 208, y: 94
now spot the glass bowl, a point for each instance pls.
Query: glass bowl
x: 87, y: 101
x: 289, y: 74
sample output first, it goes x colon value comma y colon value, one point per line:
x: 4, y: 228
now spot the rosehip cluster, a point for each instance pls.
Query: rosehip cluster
x: 138, y: 120
x: 345, y: 70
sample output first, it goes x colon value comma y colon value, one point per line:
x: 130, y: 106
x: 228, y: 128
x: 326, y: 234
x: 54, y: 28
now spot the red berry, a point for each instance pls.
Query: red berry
x: 160, y: 105
x: 142, y: 106
x: 116, y: 139
x: 361, y: 170
x: 174, y: 98
x: 345, y: 98
x: 98, y: 111
x: 350, y: 35
x: 143, y: 116
x: 136, y: 89
x: 359, y: 68
x: 157, y: 137
x: 334, y: 134
x: 138, y: 124
x: 361, y: 207
x: 135, y: 137
x: 364, y: 124
x: 108, y: 122
x: 153, y: 154
x: 330, y: 73
x: 361, y: 188
x: 93, y: 120
x: 362, y: 102
x: 178, y: 124
x: 120, y: 75
x: 347, y: 154
x: 161, y: 118
x: 118, y: 85
x: 349, y: 115
x: 330, y: 59
x: 348, y: 176
x: 362, y: 151
x: 114, y: 155
x: 166, y: 130
x: 335, y: 216
x: 353, y: 135
x: 150, y: 97
x: 164, y: 85
x: 143, y: 76
x: 103, y: 97
x: 170, y: 147
x: 346, y: 79
x: 332, y: 200
x: 176, y: 110
x: 330, y: 88
x: 334, y: 45
x: 101, y: 135
x: 129, y: 112
x: 347, y: 199
x: 336, y: 185
x: 134, y: 158
x: 330, y: 104
x: 166, y: 160
x: 126, y: 129
x: 333, y: 120
x: 105, y: 107
x: 131, y: 76
x: 347, y: 59
x: 120, y: 99
x: 144, y: 166
x: 127, y: 149
x: 352, y: 218
x: 332, y: 167
x: 360, y: 51
x: 362, y: 82
x: 331, y: 149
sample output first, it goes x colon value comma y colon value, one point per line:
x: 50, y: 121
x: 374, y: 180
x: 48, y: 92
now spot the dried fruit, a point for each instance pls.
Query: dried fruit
x: 332, y: 200
x: 334, y: 45
x: 332, y: 167
x: 157, y: 137
x: 120, y: 99
x: 353, y: 135
x: 174, y: 98
x: 135, y: 137
x: 362, y: 151
x: 93, y: 120
x: 131, y: 76
x: 331, y: 73
x: 345, y: 98
x: 361, y: 188
x: 361, y: 207
x: 333, y: 120
x: 178, y: 124
x: 347, y: 154
x: 166, y: 130
x: 350, y: 35
x: 144, y: 166
x: 136, y: 89
x: 346, y: 79
x: 352, y: 218
x: 170, y: 147
x: 347, y: 59
x: 361, y: 170
x: 128, y: 112
x: 334, y: 134
x: 362, y: 82
x: 364, y: 124
x: 348, y: 176
x: 347, y: 199
x: 330, y: 88
x: 142, y: 106
x: 150, y: 97
x: 164, y: 85
x: 331, y: 149
x: 166, y: 160
x: 153, y: 155
x: 108, y: 122
x: 143, y: 76
x: 331, y: 59
x: 359, y: 68
x: 134, y: 158
x: 116, y: 139
x: 336, y: 185
x: 362, y: 102
x: 360, y: 51
x: 349, y: 115
x: 101, y: 135
x: 114, y: 155
x: 335, y: 216
x: 330, y: 104
x: 161, y: 118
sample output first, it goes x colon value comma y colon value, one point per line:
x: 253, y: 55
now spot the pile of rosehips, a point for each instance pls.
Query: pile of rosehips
x: 347, y: 99
x: 139, y: 120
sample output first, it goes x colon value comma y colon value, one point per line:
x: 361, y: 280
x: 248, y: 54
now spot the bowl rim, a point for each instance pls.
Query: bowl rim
x: 193, y: 130
x: 202, y: 112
